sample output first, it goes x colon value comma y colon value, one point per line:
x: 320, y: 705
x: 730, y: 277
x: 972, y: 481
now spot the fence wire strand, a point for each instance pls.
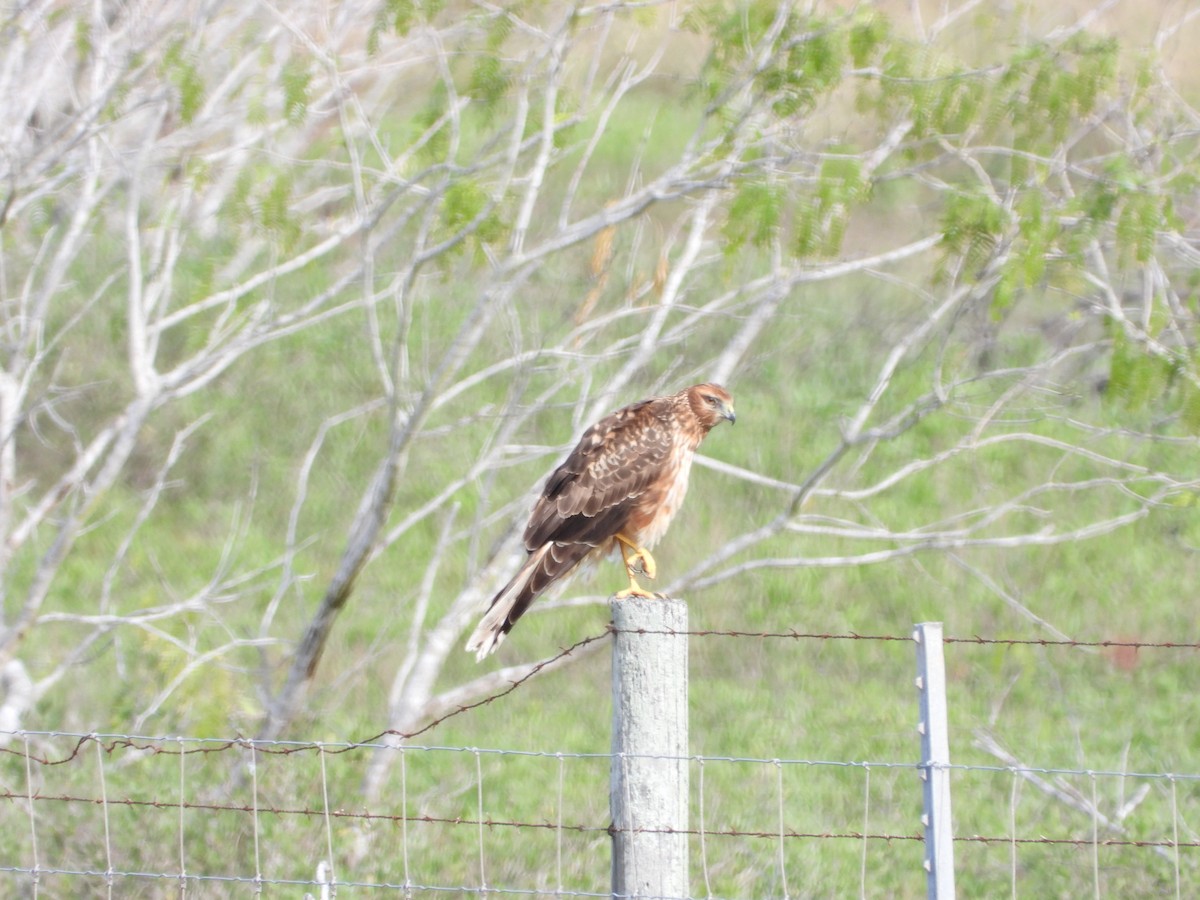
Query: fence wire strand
x: 37, y: 750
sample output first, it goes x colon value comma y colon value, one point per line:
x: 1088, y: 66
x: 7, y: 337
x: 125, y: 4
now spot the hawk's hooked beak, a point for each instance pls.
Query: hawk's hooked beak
x: 728, y: 413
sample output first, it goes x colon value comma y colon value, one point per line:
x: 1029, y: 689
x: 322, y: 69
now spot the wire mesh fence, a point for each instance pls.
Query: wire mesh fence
x: 158, y: 816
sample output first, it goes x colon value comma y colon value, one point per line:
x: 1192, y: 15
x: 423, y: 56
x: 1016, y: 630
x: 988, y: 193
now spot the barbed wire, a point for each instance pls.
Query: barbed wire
x: 795, y: 634
x: 161, y: 745
x: 286, y: 747
x: 217, y: 745
x: 580, y: 828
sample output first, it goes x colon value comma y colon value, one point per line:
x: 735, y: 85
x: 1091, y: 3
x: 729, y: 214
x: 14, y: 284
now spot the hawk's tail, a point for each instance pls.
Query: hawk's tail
x: 546, y: 565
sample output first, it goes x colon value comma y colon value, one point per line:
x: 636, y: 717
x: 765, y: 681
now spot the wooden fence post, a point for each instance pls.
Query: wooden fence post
x: 648, y: 786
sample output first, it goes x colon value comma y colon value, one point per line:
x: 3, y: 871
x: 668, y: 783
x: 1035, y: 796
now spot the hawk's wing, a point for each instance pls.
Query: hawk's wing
x: 589, y: 497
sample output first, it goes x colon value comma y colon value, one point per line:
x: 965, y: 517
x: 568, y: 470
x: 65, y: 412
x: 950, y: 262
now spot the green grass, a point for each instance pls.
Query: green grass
x: 774, y: 698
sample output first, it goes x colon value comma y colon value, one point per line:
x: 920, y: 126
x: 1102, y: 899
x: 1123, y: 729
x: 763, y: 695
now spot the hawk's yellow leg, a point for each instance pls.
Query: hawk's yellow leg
x: 640, y: 556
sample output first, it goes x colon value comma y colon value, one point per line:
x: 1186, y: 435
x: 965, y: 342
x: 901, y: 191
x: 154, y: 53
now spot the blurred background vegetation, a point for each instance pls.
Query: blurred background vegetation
x: 300, y: 304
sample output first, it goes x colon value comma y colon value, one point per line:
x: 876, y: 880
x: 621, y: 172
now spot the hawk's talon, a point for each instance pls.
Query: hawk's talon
x: 645, y: 562
x: 639, y: 560
x: 636, y: 590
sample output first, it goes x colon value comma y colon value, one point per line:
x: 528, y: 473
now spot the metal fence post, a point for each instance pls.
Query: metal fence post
x: 935, y: 760
x: 648, y: 787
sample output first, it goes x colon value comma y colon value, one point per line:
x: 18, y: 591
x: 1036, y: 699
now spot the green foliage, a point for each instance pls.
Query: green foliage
x: 818, y: 218
x: 1190, y: 407
x: 869, y: 32
x: 436, y: 137
x: 489, y: 81
x: 239, y: 207
x: 1133, y: 202
x: 1047, y: 88
x: 199, y: 171
x: 1138, y: 222
x: 296, y: 79
x: 927, y: 85
x: 464, y: 200
x: 754, y: 215
x: 1034, y: 243
x: 1041, y: 92
x: 276, y: 214
x: 1145, y: 384
x: 261, y: 198
x: 1136, y: 379
x: 972, y: 224
x: 840, y: 186
x: 811, y: 66
x: 83, y: 37
x: 467, y: 206
x: 257, y: 112
x: 181, y: 70
x: 811, y: 52
x: 401, y: 15
x: 1038, y: 235
x: 500, y: 26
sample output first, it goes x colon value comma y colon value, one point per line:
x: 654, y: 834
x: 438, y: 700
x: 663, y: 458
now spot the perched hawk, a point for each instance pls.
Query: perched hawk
x: 620, y: 487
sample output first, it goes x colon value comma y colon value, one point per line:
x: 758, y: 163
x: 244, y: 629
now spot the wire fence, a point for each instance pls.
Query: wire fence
x: 90, y: 814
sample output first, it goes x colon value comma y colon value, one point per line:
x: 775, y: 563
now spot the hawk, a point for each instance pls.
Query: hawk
x: 619, y: 488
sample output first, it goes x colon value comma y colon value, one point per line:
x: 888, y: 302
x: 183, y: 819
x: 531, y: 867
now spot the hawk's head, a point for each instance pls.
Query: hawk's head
x: 711, y: 403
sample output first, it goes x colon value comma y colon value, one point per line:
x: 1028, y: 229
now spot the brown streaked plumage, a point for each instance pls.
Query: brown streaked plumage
x: 619, y: 488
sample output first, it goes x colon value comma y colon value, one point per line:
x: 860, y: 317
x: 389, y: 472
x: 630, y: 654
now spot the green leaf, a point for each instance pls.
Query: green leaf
x: 464, y: 200
x: 240, y: 207
x: 83, y: 38
x: 499, y: 29
x: 400, y: 16
x: 468, y: 211
x: 1137, y: 225
x: 437, y: 143
x: 181, y: 70
x: 1135, y: 378
x: 275, y: 212
x: 867, y: 35
x: 972, y: 223
x: 296, y: 79
x: 489, y: 81
x: 1048, y: 88
x: 1190, y: 413
x: 754, y: 215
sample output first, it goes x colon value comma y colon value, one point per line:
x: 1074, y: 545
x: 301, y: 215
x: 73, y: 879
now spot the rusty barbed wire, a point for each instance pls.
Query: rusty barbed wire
x: 160, y: 746
x: 285, y: 748
x: 581, y: 828
x: 795, y: 634
x: 1059, y: 642
x: 288, y: 748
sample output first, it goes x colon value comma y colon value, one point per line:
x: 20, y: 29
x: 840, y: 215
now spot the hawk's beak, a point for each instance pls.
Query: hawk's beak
x: 728, y: 413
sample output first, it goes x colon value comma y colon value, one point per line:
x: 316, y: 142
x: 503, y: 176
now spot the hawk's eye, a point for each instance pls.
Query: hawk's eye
x: 712, y: 401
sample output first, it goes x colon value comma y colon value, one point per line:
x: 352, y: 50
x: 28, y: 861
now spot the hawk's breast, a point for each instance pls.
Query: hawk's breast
x: 658, y: 505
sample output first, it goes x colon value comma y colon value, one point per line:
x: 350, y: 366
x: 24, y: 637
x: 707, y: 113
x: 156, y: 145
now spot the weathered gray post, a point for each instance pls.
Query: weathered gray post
x: 648, y: 785
x: 935, y: 760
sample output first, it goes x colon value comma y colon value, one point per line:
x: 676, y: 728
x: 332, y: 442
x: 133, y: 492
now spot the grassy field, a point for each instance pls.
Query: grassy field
x: 753, y: 700
x: 1074, y: 708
